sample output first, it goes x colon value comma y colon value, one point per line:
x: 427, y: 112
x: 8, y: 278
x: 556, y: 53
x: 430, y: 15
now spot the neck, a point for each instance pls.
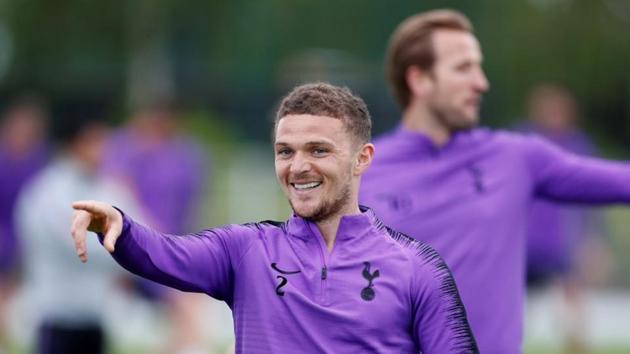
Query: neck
x: 329, y: 226
x: 419, y: 118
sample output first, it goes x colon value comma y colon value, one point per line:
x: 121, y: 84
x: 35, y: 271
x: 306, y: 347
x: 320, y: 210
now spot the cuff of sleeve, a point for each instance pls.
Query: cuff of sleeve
x: 125, y: 227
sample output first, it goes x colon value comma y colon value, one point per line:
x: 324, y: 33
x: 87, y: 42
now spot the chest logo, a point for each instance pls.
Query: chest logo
x: 477, y: 177
x: 368, y: 292
x: 283, y: 280
x: 397, y: 203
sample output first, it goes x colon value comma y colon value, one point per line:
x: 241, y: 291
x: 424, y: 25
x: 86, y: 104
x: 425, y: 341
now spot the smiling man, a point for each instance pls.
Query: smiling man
x: 332, y: 278
x: 466, y: 191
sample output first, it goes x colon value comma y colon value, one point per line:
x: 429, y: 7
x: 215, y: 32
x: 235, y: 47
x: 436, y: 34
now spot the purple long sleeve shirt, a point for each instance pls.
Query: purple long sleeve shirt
x: 378, y: 291
x: 556, y: 231
x: 470, y: 201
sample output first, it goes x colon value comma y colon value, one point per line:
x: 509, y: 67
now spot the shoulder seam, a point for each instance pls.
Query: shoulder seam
x: 259, y: 226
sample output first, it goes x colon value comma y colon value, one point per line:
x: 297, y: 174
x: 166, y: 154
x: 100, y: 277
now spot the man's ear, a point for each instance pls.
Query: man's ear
x: 418, y: 80
x: 364, y: 158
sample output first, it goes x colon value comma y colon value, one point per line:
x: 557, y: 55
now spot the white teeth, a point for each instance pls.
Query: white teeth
x: 306, y: 185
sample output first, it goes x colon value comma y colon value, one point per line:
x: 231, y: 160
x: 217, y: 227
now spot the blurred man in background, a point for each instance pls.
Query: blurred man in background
x: 23, y: 152
x: 68, y: 301
x: 565, y: 244
x: 167, y: 169
x: 466, y: 191
x: 168, y: 172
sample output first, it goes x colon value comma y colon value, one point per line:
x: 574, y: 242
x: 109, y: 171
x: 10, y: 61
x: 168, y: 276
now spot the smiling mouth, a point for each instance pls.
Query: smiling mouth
x: 306, y: 186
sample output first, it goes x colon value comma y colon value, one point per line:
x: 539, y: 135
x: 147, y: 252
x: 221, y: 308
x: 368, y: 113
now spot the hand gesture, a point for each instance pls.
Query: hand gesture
x: 96, y: 217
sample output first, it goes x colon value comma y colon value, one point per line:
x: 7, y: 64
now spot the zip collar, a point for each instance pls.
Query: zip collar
x: 350, y: 226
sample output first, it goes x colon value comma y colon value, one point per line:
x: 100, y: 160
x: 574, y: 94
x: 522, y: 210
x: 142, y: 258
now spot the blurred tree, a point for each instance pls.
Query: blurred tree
x: 229, y: 54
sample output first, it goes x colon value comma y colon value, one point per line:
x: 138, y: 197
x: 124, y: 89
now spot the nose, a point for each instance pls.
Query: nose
x: 481, y: 81
x: 299, y: 163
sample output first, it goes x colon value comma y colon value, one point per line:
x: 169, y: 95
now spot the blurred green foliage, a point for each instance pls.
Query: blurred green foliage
x: 228, y: 56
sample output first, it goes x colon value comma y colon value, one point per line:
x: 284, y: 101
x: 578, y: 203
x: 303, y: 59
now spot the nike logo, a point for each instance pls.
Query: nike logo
x: 274, y: 265
x: 283, y: 280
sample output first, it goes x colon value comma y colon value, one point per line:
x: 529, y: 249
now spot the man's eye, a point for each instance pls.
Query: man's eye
x: 319, y: 151
x: 283, y: 152
x: 464, y: 67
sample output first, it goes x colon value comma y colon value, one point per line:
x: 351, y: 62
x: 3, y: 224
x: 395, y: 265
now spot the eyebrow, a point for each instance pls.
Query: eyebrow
x: 308, y: 144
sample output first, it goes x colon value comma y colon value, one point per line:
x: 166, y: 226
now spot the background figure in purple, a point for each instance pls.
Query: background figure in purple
x: 466, y: 191
x: 168, y: 171
x: 560, y: 237
x: 23, y: 152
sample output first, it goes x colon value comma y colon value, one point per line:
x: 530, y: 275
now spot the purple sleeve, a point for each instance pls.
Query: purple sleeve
x: 440, y: 322
x: 563, y: 176
x: 201, y: 262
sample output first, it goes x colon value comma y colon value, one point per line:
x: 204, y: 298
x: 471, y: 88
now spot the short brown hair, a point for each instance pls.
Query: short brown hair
x: 323, y: 99
x: 410, y: 45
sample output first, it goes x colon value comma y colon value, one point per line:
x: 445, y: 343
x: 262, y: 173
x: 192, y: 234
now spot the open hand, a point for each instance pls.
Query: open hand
x: 96, y: 217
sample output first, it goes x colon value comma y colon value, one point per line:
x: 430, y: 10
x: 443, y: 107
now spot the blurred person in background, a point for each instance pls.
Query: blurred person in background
x: 168, y: 172
x: 330, y: 279
x: 466, y: 191
x: 68, y: 300
x: 23, y: 152
x: 565, y: 244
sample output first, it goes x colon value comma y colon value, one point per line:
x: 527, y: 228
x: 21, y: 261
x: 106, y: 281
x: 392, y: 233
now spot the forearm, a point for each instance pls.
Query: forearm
x: 158, y: 257
x: 587, y: 180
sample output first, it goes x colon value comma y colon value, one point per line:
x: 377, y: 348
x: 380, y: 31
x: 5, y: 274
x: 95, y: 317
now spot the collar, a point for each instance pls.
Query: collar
x: 350, y: 226
x: 422, y: 143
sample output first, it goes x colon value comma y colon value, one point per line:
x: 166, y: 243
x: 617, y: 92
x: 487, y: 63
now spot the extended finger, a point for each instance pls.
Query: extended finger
x: 80, y: 222
x: 90, y: 206
x: 111, y: 236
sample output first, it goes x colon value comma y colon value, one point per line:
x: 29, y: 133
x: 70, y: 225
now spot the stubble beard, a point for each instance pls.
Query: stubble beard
x: 452, y: 120
x: 327, y: 208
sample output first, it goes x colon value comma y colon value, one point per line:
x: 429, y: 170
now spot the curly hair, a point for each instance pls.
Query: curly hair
x: 323, y: 99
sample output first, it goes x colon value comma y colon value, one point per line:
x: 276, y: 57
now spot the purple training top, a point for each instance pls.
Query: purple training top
x: 14, y: 173
x: 470, y: 201
x: 555, y: 231
x: 378, y: 291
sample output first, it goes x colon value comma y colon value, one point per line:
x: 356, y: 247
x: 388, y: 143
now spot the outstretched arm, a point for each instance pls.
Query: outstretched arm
x: 563, y: 176
x: 201, y: 262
